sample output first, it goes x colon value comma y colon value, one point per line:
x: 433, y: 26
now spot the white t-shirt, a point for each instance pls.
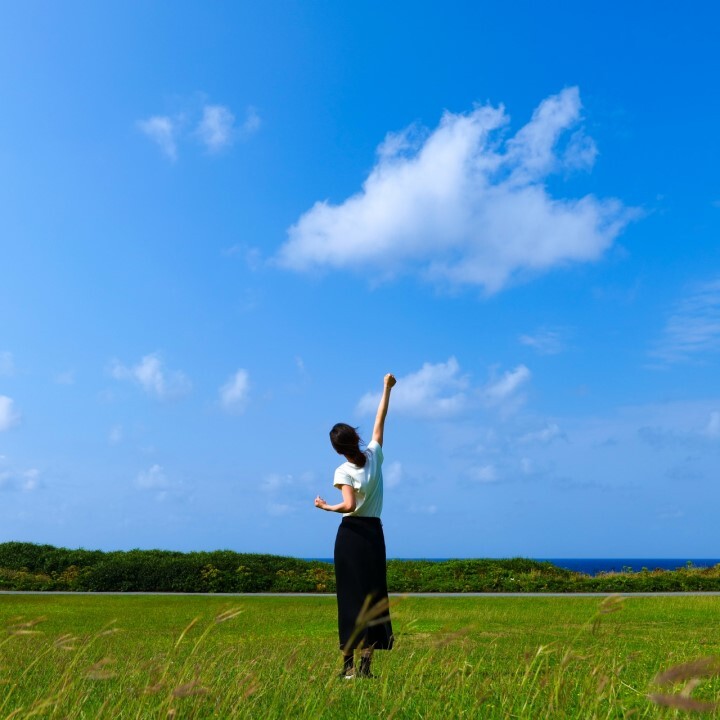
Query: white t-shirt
x: 366, y: 481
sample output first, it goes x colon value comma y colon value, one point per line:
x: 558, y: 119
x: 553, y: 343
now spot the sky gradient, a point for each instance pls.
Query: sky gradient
x: 223, y: 224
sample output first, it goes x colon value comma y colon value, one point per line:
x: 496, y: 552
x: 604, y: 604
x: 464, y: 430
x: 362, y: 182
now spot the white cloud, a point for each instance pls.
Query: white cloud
x: 545, y: 342
x: 212, y: 125
x: 280, y: 509
x: 29, y: 480
x: 252, y: 256
x: 66, y: 377
x: 433, y: 391
x: 484, y: 474
x: 163, y: 131
x: 693, y: 330
x: 527, y: 466
x: 713, y: 427
x: 423, y: 509
x: 26, y: 481
x: 152, y: 479
x: 499, y: 390
x: 548, y: 433
x: 152, y: 377
x: 233, y: 394
x: 115, y: 435
x: 252, y: 122
x: 458, y: 206
x: 287, y: 494
x: 7, y: 364
x: 393, y: 474
x: 216, y: 129
x: 8, y: 415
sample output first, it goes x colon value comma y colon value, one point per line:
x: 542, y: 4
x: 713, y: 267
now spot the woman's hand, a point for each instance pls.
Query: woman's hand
x: 390, y: 380
x: 320, y: 503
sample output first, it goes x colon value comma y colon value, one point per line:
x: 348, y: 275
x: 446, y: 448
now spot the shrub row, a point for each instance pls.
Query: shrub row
x: 26, y: 566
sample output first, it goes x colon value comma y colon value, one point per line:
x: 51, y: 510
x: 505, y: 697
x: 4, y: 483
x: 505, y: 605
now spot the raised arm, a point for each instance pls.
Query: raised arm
x: 379, y: 428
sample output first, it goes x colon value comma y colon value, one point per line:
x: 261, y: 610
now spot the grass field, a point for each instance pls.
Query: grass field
x: 254, y: 657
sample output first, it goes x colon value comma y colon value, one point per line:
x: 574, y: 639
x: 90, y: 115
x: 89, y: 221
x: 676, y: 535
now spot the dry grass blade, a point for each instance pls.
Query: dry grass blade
x: 66, y: 642
x: 611, y: 604
x: 27, y: 624
x: 370, y: 614
x: 450, y: 638
x: 109, y: 631
x: 187, y: 689
x: 228, y: 615
x: 153, y: 689
x: 100, y: 671
x: 26, y: 628
x: 702, y: 667
x: 190, y: 626
x: 680, y: 702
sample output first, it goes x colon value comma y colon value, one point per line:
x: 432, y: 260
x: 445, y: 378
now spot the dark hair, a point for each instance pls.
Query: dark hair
x: 346, y: 441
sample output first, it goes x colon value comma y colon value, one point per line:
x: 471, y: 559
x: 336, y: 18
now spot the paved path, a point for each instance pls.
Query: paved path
x: 412, y: 594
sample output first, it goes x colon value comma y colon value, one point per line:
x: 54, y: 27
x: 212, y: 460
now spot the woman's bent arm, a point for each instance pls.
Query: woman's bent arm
x: 346, y: 506
x: 379, y: 428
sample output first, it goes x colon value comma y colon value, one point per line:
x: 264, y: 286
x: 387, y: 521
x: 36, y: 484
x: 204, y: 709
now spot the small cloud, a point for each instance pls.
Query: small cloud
x: 29, y: 480
x: 278, y: 487
x: 692, y: 332
x: 252, y: 122
x: 545, y: 342
x: 233, y: 394
x: 280, y: 509
x: 65, y: 378
x: 499, y: 390
x: 25, y: 481
x: 150, y: 374
x: 423, y: 509
x: 484, y: 474
x: 8, y: 415
x: 162, y: 130
x: 544, y: 436
x: 152, y: 479
x: 7, y: 364
x: 115, y: 436
x: 252, y: 256
x: 580, y: 153
x: 713, y: 427
x: 216, y: 127
x: 436, y: 390
x: 671, y: 515
x: 392, y: 474
x: 276, y: 481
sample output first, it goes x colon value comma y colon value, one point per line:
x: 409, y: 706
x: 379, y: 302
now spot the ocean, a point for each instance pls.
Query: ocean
x: 593, y: 566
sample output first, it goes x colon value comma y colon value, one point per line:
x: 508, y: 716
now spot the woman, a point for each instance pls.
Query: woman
x: 360, y: 572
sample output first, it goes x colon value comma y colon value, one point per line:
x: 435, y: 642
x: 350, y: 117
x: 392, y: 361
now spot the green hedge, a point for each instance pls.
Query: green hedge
x: 25, y: 566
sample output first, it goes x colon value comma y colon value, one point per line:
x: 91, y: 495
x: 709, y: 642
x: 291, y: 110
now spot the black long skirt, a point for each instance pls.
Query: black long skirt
x: 361, y: 581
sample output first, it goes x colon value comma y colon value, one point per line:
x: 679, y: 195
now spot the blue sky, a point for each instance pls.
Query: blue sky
x: 223, y: 224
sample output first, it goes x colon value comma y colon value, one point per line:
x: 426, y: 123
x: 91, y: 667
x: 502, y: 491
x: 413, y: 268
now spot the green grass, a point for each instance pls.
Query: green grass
x: 255, y: 657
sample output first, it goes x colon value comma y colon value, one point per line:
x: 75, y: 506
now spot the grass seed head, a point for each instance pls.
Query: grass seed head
x: 702, y: 667
x: 680, y: 702
x: 100, y: 671
x: 187, y: 689
x: 228, y: 615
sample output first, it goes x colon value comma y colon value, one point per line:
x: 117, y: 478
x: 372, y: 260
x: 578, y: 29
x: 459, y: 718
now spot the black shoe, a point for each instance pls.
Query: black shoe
x: 363, y: 670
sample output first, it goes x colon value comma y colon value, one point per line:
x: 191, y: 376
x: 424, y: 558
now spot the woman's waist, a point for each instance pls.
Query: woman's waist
x: 361, y: 520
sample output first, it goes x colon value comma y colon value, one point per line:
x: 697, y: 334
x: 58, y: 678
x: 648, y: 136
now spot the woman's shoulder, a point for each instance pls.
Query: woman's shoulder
x: 375, y: 448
